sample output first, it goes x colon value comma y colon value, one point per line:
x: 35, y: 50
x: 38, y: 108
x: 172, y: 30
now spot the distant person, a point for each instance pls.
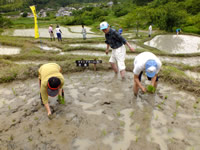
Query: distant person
x: 150, y: 64
x: 178, y: 31
x: 116, y: 42
x: 150, y: 30
x: 58, y: 32
x: 51, y: 83
x: 83, y: 32
x: 120, y: 30
x: 52, y: 37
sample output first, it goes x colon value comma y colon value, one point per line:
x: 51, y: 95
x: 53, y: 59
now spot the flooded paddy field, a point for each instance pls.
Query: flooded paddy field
x: 101, y: 112
x: 8, y: 50
x: 176, y: 43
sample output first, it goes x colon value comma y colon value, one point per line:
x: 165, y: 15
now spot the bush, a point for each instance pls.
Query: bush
x: 25, y: 14
x: 5, y: 22
x: 191, y: 29
x: 119, y: 10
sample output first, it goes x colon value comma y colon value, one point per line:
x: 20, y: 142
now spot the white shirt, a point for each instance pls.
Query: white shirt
x: 141, y: 59
x: 150, y: 28
x: 58, y: 30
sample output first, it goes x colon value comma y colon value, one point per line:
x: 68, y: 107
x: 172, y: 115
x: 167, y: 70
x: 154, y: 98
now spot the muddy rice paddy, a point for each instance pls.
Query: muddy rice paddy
x: 176, y: 43
x: 100, y: 113
x: 8, y: 50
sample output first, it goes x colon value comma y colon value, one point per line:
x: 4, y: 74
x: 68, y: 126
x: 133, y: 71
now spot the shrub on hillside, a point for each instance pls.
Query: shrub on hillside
x: 191, y: 29
x: 25, y: 14
x: 5, y: 22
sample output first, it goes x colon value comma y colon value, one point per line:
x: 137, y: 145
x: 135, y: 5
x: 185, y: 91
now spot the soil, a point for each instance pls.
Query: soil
x: 101, y: 113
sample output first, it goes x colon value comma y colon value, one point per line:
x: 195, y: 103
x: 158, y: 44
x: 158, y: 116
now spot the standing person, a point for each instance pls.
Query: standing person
x: 148, y: 62
x: 117, y: 43
x: 150, y: 30
x: 58, y: 32
x: 51, y: 83
x: 83, y: 32
x: 120, y: 30
x: 52, y: 37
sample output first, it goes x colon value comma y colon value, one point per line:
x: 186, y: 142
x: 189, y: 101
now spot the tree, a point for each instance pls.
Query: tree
x: 136, y: 19
x: 4, y: 22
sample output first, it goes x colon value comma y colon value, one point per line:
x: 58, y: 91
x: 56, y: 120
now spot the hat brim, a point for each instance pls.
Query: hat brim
x: 102, y: 28
x: 52, y: 93
x: 150, y: 74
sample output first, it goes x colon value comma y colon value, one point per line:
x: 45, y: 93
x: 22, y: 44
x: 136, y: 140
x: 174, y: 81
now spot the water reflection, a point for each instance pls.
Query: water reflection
x: 176, y: 43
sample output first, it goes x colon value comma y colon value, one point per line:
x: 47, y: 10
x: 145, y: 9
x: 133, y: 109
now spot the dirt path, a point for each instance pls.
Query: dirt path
x: 101, y: 113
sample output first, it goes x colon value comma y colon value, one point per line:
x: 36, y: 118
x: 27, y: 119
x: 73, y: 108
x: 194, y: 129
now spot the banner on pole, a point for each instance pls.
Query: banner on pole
x: 35, y: 20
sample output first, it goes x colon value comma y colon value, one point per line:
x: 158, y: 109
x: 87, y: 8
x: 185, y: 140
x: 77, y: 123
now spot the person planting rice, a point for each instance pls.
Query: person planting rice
x: 51, y: 83
x: 116, y: 42
x: 148, y: 62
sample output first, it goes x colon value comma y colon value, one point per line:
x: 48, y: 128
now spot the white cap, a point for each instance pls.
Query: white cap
x: 104, y: 25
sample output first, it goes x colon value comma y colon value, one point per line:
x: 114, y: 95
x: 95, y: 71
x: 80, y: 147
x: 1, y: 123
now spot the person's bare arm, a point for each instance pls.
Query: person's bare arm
x: 107, y: 49
x: 137, y: 81
x: 48, y: 108
x: 153, y: 81
x: 130, y: 47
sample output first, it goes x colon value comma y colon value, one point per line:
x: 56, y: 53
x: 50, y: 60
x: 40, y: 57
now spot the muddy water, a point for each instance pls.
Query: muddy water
x: 47, y: 48
x: 191, y: 61
x: 193, y: 75
x: 79, y: 29
x: 100, y: 113
x: 176, y: 43
x: 7, y: 50
x: 44, y: 33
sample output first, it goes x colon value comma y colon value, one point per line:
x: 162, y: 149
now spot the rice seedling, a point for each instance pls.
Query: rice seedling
x: 104, y: 133
x: 30, y: 139
x: 174, y: 114
x: 61, y: 99
x: 169, y: 130
x: 118, y: 114
x: 14, y: 92
x: 159, y: 107
x: 138, y: 127
x: 177, y: 104
x: 131, y: 114
x: 11, y: 138
x: 195, y: 106
x: 122, y: 123
x: 156, y: 117
x: 136, y: 138
x: 151, y: 89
